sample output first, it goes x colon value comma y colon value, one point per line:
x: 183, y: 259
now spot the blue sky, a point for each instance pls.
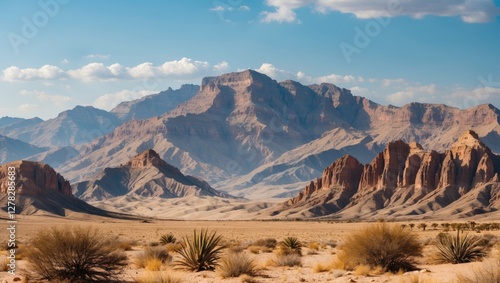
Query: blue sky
x: 55, y: 54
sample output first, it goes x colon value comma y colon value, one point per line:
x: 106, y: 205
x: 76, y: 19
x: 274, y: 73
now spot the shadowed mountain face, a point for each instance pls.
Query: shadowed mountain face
x: 12, y: 149
x: 404, y: 181
x: 252, y: 136
x: 145, y: 175
x: 41, y: 190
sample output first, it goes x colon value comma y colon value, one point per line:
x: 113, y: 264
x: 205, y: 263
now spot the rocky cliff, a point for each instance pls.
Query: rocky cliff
x: 405, y: 180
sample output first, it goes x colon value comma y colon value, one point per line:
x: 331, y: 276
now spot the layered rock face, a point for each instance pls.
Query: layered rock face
x: 34, y: 178
x: 404, y: 174
x: 145, y: 175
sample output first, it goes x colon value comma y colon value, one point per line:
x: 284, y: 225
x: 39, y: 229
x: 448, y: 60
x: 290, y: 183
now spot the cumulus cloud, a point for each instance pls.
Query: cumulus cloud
x: 47, y: 72
x: 221, y: 67
x: 464, y: 98
x: 57, y: 100
x: 110, y: 100
x: 413, y: 93
x: 176, y: 69
x: 470, y: 11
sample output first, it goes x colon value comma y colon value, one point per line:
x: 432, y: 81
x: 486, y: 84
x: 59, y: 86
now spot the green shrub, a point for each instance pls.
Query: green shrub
x: 200, y: 252
x: 458, y: 249
x: 236, y: 264
x: 75, y: 254
x: 380, y: 245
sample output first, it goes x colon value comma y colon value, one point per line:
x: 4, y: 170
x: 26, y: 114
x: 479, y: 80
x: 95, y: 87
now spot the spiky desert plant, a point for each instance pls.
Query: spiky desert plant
x: 458, y: 249
x: 74, y: 254
x: 168, y: 239
x: 200, y: 252
x: 236, y: 264
x: 390, y: 247
x: 291, y: 245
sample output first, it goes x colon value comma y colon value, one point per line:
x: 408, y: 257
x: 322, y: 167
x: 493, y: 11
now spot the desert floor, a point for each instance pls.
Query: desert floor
x: 327, y: 234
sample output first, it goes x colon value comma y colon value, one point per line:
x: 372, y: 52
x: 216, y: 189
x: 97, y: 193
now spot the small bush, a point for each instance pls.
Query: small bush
x: 362, y: 270
x: 168, y: 239
x: 289, y: 260
x: 154, y: 264
x: 389, y: 247
x: 268, y: 243
x: 126, y: 245
x: 236, y: 264
x: 151, y: 254
x: 313, y: 246
x: 200, y: 252
x: 158, y: 277
x: 290, y: 245
x: 321, y: 267
x: 74, y: 254
x: 458, y: 249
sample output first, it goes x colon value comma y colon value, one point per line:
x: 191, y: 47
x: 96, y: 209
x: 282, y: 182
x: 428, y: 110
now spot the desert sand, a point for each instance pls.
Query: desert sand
x: 328, y: 234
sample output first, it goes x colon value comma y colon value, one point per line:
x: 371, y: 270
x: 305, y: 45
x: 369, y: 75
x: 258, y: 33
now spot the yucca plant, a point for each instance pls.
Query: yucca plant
x: 458, y: 249
x: 291, y: 245
x: 168, y: 239
x: 201, y: 252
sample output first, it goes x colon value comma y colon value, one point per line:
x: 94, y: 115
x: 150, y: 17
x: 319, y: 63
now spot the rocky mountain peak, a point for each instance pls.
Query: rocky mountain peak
x: 469, y: 139
x: 146, y: 159
x: 34, y: 178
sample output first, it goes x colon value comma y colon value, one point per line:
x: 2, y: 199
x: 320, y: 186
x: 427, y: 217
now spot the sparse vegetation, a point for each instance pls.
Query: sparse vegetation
x: 236, y: 264
x: 289, y: 260
x: 290, y: 245
x: 488, y: 273
x: 168, y: 239
x: 151, y: 257
x: 75, y: 254
x: 200, y: 252
x: 389, y: 247
x: 458, y: 248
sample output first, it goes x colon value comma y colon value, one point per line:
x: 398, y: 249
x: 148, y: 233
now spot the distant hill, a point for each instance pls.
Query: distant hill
x: 145, y: 175
x: 12, y: 149
x: 404, y: 181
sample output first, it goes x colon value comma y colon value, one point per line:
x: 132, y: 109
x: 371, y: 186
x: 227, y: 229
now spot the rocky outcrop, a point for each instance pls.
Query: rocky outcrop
x: 145, y: 175
x: 404, y: 175
x: 34, y: 178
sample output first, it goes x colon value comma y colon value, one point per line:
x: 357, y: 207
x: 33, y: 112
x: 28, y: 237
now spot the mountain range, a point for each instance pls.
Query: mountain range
x: 244, y: 133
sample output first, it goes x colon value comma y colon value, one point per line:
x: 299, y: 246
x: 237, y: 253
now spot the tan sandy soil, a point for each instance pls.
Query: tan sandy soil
x: 245, y: 232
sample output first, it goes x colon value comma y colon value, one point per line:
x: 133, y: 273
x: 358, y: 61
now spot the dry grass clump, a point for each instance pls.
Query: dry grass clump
x: 321, y: 267
x: 200, y: 252
x: 458, y: 248
x: 4, y: 262
x: 488, y: 273
x: 417, y: 278
x: 158, y: 277
x: 152, y: 258
x: 289, y: 260
x: 263, y: 246
x: 75, y: 254
x: 126, y: 245
x: 389, y: 247
x: 236, y: 264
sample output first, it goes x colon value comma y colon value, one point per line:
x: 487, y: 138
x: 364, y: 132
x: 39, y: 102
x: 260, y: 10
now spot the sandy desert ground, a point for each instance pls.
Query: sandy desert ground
x: 327, y: 234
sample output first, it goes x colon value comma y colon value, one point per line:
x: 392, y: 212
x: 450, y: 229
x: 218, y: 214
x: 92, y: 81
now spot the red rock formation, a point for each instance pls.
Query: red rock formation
x: 34, y: 178
x: 146, y: 159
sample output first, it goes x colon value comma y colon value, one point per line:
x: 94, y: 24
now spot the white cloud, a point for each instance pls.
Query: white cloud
x: 400, y: 98
x: 97, y: 56
x: 177, y: 69
x: 220, y: 8
x: 336, y: 79
x: 28, y: 108
x: 47, y: 72
x: 244, y: 8
x: 221, y: 67
x: 275, y: 73
x: 57, y: 100
x: 110, y: 100
x: 470, y: 11
x: 392, y: 82
x: 413, y: 93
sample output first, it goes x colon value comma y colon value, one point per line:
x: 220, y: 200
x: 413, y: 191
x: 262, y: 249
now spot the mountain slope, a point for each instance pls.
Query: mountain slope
x: 12, y: 149
x: 250, y: 135
x: 41, y: 190
x: 145, y: 175
x: 155, y: 104
x: 405, y: 181
x: 71, y: 127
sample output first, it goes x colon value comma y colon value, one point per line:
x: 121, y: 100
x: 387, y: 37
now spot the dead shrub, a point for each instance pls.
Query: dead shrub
x: 289, y: 260
x: 383, y: 245
x: 74, y: 254
x: 158, y: 277
x: 236, y: 264
x: 151, y: 256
